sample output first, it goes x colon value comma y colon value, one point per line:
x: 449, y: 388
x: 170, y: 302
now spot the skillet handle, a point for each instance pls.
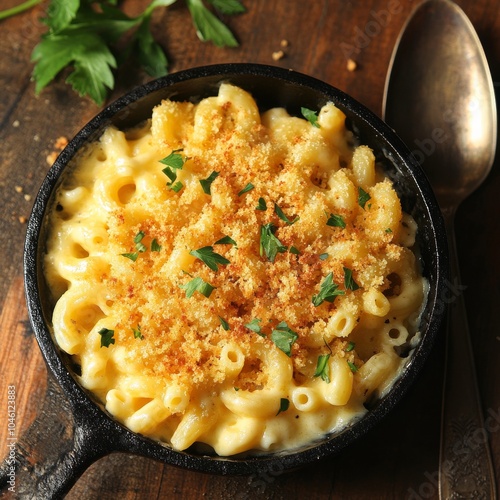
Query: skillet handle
x: 53, y: 453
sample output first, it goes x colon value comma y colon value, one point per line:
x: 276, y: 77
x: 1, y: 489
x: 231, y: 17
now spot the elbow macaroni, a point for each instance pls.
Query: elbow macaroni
x: 253, y: 363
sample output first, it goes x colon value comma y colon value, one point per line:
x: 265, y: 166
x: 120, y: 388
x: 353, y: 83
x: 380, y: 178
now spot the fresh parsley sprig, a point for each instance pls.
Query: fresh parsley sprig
x: 84, y: 34
x: 209, y: 257
x: 328, y: 291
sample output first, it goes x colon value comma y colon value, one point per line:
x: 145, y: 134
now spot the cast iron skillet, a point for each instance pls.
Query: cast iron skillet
x: 97, y: 434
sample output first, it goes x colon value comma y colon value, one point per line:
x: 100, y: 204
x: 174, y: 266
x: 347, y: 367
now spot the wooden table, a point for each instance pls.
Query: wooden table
x: 399, y: 458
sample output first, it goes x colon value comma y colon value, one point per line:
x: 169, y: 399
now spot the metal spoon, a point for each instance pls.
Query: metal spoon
x: 439, y: 98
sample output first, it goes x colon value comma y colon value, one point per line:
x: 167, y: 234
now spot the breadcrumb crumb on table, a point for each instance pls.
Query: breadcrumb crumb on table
x: 351, y: 65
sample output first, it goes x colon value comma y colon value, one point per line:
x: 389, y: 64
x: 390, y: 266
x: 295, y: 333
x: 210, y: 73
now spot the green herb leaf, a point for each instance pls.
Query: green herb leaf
x: 269, y: 243
x: 349, y: 282
x: 388, y: 230
x: 323, y: 368
x: 261, y: 205
x: 86, y: 52
x: 224, y: 324
x: 335, y: 221
x: 176, y: 186
x: 284, y: 405
x: 247, y: 188
x: 255, y: 327
x: 294, y: 250
x: 137, y: 332
x: 208, y: 27
x: 207, y: 183
x: 328, y: 291
x: 352, y: 366
x: 363, y: 197
x: 350, y: 347
x: 209, y: 257
x: 228, y: 7
x: 106, y: 337
x: 132, y: 256
x: 226, y: 240
x: 197, y: 285
x: 284, y: 338
x: 282, y: 216
x: 155, y: 246
x: 174, y: 160
x: 323, y: 256
x: 138, y: 242
x: 311, y: 116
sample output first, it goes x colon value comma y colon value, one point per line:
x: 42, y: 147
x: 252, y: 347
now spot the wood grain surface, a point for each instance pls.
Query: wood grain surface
x: 397, y: 459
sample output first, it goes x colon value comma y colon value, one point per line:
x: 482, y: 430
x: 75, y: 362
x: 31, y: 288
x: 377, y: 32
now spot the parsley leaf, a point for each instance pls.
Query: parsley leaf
x: 350, y: 346
x: 209, y: 257
x: 328, y: 291
x: 284, y: 338
x: 282, y: 216
x: 138, y: 333
x: 197, y: 285
x: 224, y: 324
x: 261, y: 205
x: 106, y: 337
x: 335, y: 221
x: 363, y: 197
x: 323, y: 368
x: 155, y: 246
x: 226, y: 240
x: 269, y: 243
x: 206, y: 184
x: 174, y: 160
x: 284, y: 405
x: 352, y: 366
x: 92, y: 40
x: 255, y: 327
x: 208, y: 27
x: 247, y: 188
x: 228, y: 6
x: 311, y: 116
x: 349, y: 282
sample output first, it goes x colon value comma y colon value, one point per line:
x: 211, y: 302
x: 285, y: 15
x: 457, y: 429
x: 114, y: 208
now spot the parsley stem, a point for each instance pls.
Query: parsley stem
x: 4, y: 14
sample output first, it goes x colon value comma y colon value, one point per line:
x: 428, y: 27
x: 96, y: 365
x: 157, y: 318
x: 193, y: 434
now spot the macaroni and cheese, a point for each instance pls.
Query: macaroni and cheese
x: 232, y: 278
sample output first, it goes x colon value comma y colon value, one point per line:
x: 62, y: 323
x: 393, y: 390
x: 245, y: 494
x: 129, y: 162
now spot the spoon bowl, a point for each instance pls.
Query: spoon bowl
x: 439, y: 98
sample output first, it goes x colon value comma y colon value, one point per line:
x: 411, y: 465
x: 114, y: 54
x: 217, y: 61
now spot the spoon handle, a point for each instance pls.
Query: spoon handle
x: 466, y: 469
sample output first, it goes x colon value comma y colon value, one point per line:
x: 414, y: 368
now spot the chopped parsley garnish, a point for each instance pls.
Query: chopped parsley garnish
x: 349, y: 282
x: 323, y: 256
x: 138, y: 242
x: 269, y: 243
x: 197, y: 285
x: 209, y: 257
x: 363, y: 197
x: 132, y: 256
x: 311, y: 116
x: 174, y: 161
x: 138, y: 333
x: 247, y: 188
x: 323, y: 368
x: 335, y: 221
x: 255, y: 327
x: 294, y: 250
x: 282, y: 216
x: 139, y: 246
x: 224, y: 323
x: 284, y: 338
x: 350, y: 346
x: 284, y: 405
x: 206, y: 184
x: 226, y: 240
x: 261, y: 205
x: 155, y: 246
x: 388, y: 230
x: 328, y: 291
x: 106, y: 337
x: 352, y: 366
